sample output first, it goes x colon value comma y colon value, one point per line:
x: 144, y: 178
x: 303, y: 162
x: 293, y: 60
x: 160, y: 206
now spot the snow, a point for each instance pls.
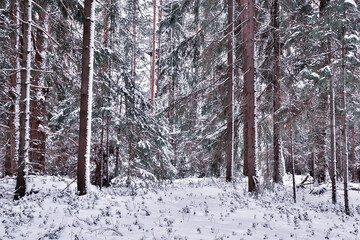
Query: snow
x: 90, y: 91
x: 27, y: 89
x: 352, y: 2
x: 185, y: 209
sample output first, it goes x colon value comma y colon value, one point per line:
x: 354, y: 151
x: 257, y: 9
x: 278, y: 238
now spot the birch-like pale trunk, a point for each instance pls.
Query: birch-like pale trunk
x: 83, y: 171
x: 23, y: 162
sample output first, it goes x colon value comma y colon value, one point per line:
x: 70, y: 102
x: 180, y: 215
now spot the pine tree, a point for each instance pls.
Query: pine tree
x: 24, y: 144
x: 38, y: 117
x: 248, y: 36
x: 83, y: 171
x: 230, y: 93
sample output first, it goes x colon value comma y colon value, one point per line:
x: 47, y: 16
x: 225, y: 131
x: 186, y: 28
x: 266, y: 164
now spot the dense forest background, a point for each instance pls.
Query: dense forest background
x: 183, y: 88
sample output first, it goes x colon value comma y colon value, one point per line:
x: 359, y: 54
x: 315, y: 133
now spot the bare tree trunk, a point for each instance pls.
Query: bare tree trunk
x: 344, y: 126
x: 332, y: 142
x: 101, y: 153
x: 159, y: 52
x: 292, y: 149
x: 23, y: 162
x: 322, y: 112
x: 38, y: 105
x: 83, y: 171
x: 15, y: 79
x: 230, y: 93
x: 107, y: 153
x: 248, y: 34
x: 353, y: 151
x: 153, y: 57
x: 277, y: 176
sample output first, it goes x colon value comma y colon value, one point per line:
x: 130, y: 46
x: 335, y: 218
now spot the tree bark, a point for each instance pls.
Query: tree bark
x: 23, y: 162
x: 353, y: 151
x: 277, y: 176
x: 159, y: 52
x: 332, y: 142
x: 38, y: 105
x: 248, y: 34
x: 322, y: 111
x: 344, y: 125
x: 153, y: 57
x: 83, y: 171
x: 15, y: 79
x: 230, y: 93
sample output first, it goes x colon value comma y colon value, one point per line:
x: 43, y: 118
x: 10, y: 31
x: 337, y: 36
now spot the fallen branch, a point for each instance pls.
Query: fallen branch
x: 108, y: 229
x: 68, y: 185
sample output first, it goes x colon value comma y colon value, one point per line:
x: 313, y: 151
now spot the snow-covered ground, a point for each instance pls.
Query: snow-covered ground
x: 185, y: 209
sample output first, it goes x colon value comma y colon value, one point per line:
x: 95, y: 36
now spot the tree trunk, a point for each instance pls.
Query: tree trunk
x: 230, y: 93
x: 322, y: 121
x: 38, y: 105
x: 248, y: 34
x: 332, y: 142
x: 353, y: 151
x: 292, y: 149
x: 107, y: 153
x: 15, y: 81
x: 83, y: 171
x: 153, y: 57
x: 23, y: 161
x: 159, y: 52
x: 277, y: 176
x: 344, y: 126
x: 101, y: 154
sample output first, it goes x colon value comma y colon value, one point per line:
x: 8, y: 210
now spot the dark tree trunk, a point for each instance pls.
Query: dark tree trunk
x: 13, y: 145
x: 159, y: 52
x: 277, y: 176
x: 248, y: 32
x: 153, y: 58
x: 38, y: 105
x: 230, y: 94
x: 83, y: 171
x: 344, y: 124
x: 353, y: 151
x: 23, y: 161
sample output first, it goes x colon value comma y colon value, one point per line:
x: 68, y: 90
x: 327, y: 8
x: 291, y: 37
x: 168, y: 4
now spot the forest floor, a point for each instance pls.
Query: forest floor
x: 185, y: 209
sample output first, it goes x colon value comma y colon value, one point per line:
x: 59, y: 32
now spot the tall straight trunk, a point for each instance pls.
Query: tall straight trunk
x: 15, y: 79
x: 83, y: 171
x: 101, y: 154
x: 344, y: 126
x: 248, y: 34
x: 322, y: 121
x: 23, y: 161
x: 172, y: 111
x: 292, y: 148
x: 107, y: 153
x: 159, y: 52
x: 153, y: 57
x: 332, y: 142
x: 230, y: 93
x: 277, y: 175
x: 132, y: 89
x: 353, y: 151
x: 38, y: 105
